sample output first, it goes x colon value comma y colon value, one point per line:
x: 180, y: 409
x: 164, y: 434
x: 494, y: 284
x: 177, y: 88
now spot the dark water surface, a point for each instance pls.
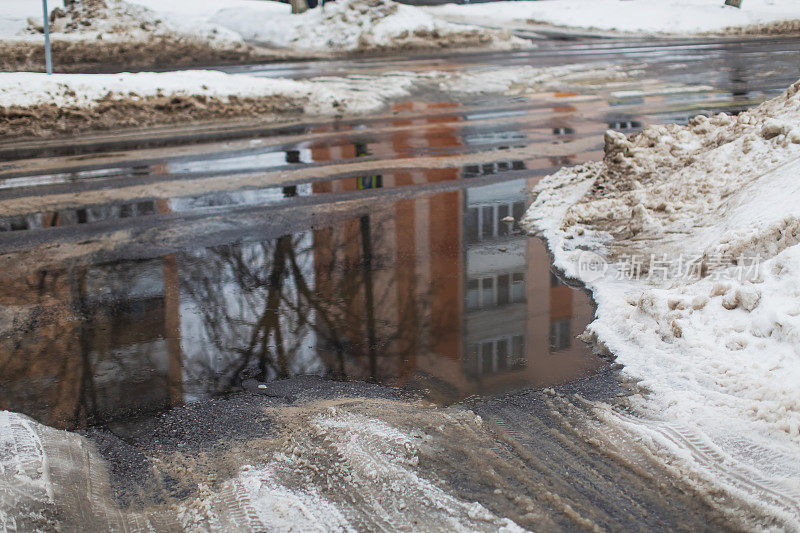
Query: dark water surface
x: 193, y: 270
x: 437, y: 295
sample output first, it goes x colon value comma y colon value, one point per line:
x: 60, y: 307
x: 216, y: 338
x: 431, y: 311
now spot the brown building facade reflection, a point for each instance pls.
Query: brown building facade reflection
x: 438, y: 292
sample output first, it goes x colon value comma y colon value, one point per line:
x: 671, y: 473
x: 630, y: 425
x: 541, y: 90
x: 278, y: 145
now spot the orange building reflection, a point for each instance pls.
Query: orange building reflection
x: 438, y: 292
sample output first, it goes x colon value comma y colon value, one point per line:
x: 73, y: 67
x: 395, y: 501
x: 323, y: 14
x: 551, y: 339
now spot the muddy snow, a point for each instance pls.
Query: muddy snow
x: 34, y: 104
x: 335, y: 460
x: 115, y: 34
x: 94, y: 34
x: 358, y: 25
x: 688, y: 237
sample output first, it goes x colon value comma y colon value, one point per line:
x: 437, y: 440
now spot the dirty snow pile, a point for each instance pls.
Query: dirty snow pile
x: 350, y: 25
x: 633, y: 16
x: 345, y: 25
x: 320, y: 96
x: 689, y: 238
x: 324, y: 96
x: 335, y: 471
x: 105, y: 20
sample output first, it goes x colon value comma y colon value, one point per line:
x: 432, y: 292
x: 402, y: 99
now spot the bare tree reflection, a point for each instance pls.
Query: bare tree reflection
x: 82, y: 348
x: 273, y: 309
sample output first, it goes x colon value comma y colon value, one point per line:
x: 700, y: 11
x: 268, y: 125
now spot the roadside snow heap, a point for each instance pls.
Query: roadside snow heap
x: 357, y: 25
x: 35, y: 104
x: 689, y: 238
x: 635, y: 16
x: 147, y: 33
x: 40, y: 105
x: 110, y: 32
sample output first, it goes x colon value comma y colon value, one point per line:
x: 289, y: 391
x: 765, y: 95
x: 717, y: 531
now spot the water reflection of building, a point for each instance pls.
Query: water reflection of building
x: 465, y: 308
x: 83, y: 215
x: 90, y: 344
x: 437, y: 291
x: 467, y: 298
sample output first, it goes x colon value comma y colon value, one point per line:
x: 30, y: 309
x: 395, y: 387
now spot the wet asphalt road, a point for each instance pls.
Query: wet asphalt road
x: 740, y: 66
x: 148, y: 272
x: 114, y: 208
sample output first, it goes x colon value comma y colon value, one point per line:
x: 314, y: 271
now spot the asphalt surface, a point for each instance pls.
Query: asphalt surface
x: 83, y: 219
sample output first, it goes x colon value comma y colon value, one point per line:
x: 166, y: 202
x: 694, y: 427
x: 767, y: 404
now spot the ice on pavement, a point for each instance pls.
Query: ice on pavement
x: 694, y: 234
x: 352, y: 454
x: 635, y: 16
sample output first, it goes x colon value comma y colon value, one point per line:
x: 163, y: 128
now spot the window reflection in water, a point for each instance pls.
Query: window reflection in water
x: 408, y: 295
x: 440, y: 294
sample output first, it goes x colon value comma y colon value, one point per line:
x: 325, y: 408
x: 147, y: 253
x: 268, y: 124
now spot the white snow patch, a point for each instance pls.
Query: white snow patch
x: 322, y: 96
x: 522, y: 79
x: 347, y: 25
x: 14, y: 14
x: 319, y: 96
x: 646, y: 16
x: 719, y: 354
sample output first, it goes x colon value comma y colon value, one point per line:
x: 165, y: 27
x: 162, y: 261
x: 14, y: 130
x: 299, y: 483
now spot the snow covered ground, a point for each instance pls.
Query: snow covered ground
x: 145, y: 98
x: 56, y: 480
x: 631, y: 16
x: 356, y: 25
x: 343, y: 26
x: 322, y: 97
x: 689, y: 238
x: 104, y: 20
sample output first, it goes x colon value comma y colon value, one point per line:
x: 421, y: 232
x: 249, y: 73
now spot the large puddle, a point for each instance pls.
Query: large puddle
x: 439, y: 295
x: 432, y: 288
x: 376, y: 250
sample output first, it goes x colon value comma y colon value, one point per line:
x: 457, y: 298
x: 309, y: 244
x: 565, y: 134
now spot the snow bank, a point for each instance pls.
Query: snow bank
x: 646, y: 16
x: 114, y: 20
x: 324, y: 96
x: 689, y: 238
x: 349, y: 25
x: 346, y: 25
x: 353, y: 93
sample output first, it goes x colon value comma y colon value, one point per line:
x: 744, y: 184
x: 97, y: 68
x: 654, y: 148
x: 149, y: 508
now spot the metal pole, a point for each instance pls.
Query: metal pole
x: 48, y: 59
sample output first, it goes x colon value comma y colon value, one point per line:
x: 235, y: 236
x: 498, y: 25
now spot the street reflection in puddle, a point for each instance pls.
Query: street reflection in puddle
x: 437, y: 295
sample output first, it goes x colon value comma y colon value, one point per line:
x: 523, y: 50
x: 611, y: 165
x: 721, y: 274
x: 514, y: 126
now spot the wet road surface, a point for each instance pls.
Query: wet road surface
x: 383, y: 248
x: 139, y: 278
